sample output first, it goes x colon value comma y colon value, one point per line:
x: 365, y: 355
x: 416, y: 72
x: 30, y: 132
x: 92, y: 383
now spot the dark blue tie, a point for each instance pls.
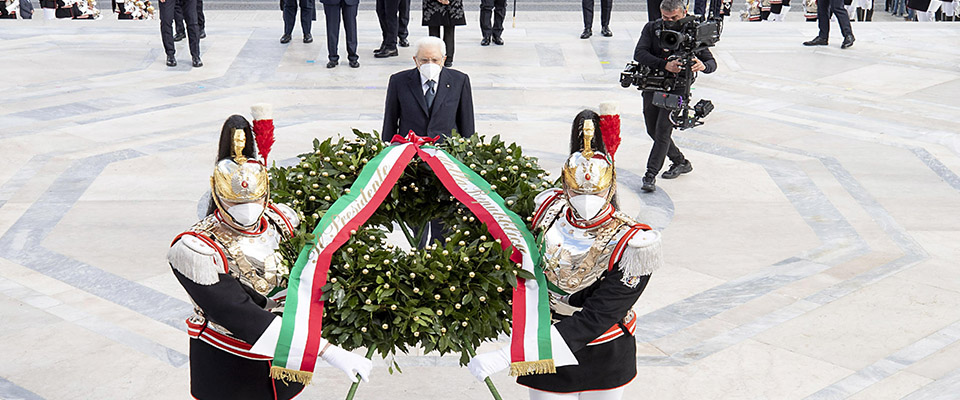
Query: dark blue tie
x: 431, y: 93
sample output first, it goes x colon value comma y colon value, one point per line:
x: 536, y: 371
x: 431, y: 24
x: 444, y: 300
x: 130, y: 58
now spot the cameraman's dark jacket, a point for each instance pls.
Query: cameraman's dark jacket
x: 649, y: 52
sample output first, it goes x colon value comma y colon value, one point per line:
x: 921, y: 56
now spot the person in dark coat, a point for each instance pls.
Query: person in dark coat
x: 651, y: 52
x: 403, y: 18
x: 429, y: 100
x: 181, y: 28
x: 308, y: 14
x: 826, y: 8
x: 495, y: 10
x: 388, y: 12
x: 332, y: 10
x: 167, y: 10
x: 446, y: 14
x: 606, y: 8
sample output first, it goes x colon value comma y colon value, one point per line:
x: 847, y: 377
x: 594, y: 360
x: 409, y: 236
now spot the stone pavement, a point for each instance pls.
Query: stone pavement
x: 812, y: 253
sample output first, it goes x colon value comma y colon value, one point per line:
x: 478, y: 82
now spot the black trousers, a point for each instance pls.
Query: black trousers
x: 660, y: 130
x: 404, y: 19
x: 448, y: 37
x: 606, y: 7
x: 308, y: 13
x: 216, y: 374
x: 492, y: 11
x: 167, y: 11
x: 332, y: 14
x: 835, y: 7
x: 653, y: 10
x: 178, y: 18
x: 388, y: 11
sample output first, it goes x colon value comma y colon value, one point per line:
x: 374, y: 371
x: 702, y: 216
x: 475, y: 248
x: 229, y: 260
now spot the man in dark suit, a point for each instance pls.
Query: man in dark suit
x: 492, y: 13
x: 826, y: 8
x: 429, y: 100
x: 308, y: 13
x: 167, y: 9
x: 404, y: 19
x: 332, y: 9
x: 388, y: 12
x: 606, y: 8
x: 181, y: 30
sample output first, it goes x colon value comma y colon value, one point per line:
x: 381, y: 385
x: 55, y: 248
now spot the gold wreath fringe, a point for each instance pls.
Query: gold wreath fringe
x: 533, y: 367
x: 290, y: 375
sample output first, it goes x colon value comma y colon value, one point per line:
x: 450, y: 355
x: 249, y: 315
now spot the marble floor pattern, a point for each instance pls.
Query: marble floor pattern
x: 811, y: 254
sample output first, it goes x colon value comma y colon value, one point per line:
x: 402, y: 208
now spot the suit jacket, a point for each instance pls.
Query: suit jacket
x: 406, y: 108
x: 337, y: 2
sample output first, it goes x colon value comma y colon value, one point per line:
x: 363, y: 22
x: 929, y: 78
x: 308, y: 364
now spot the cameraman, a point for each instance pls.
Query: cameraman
x: 651, y: 53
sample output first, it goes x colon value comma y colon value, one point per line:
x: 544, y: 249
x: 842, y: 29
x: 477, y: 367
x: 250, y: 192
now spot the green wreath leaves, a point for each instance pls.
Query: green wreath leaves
x: 448, y: 297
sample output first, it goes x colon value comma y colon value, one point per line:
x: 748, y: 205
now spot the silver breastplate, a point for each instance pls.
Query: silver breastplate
x: 574, y: 258
x: 251, y: 257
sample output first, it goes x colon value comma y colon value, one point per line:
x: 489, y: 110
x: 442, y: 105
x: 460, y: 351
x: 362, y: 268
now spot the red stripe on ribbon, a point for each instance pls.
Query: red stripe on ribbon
x: 519, y: 293
x: 312, y: 347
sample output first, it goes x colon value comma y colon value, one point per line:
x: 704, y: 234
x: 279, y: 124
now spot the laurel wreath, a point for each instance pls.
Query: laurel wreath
x: 448, y: 297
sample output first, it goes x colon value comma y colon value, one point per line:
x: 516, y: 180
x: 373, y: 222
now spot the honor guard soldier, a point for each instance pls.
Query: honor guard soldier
x: 597, y: 261
x: 228, y: 265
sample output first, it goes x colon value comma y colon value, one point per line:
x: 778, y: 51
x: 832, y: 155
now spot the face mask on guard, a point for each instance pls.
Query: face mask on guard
x: 587, y: 206
x: 247, y: 214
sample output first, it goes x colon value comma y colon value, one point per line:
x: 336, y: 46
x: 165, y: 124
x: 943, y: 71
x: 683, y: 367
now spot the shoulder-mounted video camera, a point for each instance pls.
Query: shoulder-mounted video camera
x: 683, y: 38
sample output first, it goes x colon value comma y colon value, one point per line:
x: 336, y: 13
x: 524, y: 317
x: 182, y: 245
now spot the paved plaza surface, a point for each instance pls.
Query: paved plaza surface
x: 812, y: 253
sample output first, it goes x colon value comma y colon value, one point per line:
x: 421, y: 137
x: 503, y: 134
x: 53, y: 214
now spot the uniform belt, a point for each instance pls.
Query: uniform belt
x: 237, y: 347
x: 626, y: 326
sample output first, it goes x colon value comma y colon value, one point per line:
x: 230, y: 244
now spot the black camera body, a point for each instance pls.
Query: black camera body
x: 692, y: 34
x: 646, y: 78
x: 688, y: 36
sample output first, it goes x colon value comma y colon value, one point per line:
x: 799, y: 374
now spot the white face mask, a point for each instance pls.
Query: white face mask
x: 247, y: 214
x: 430, y: 71
x: 587, y: 206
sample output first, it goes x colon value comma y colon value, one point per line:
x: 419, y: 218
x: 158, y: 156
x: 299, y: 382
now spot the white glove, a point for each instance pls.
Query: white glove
x: 486, y: 364
x: 351, y: 364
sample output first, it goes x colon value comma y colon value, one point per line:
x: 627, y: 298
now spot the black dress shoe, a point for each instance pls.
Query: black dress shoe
x: 197, y: 63
x: 817, y: 41
x: 649, y: 184
x: 285, y: 39
x: 677, y: 170
x: 203, y: 34
x: 307, y: 38
x: 586, y: 34
x: 171, y: 61
x: 497, y: 40
x: 354, y: 64
x: 448, y: 63
x: 485, y: 41
x: 378, y: 49
x: 179, y: 36
x: 403, y: 42
x: 387, y: 53
x: 606, y: 32
x: 332, y: 64
x: 847, y: 41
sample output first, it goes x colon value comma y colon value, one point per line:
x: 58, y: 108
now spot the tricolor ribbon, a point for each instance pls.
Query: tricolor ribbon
x: 296, y: 353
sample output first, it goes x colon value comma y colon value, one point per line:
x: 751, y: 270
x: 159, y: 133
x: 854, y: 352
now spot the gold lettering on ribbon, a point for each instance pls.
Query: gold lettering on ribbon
x: 486, y: 201
x: 366, y: 195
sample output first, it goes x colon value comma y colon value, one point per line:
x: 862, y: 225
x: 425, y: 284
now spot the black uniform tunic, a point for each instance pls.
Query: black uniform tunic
x: 603, y: 366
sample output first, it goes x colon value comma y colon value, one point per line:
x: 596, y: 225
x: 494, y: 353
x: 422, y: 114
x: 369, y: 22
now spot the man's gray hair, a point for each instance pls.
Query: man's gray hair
x: 673, y: 5
x: 432, y: 41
